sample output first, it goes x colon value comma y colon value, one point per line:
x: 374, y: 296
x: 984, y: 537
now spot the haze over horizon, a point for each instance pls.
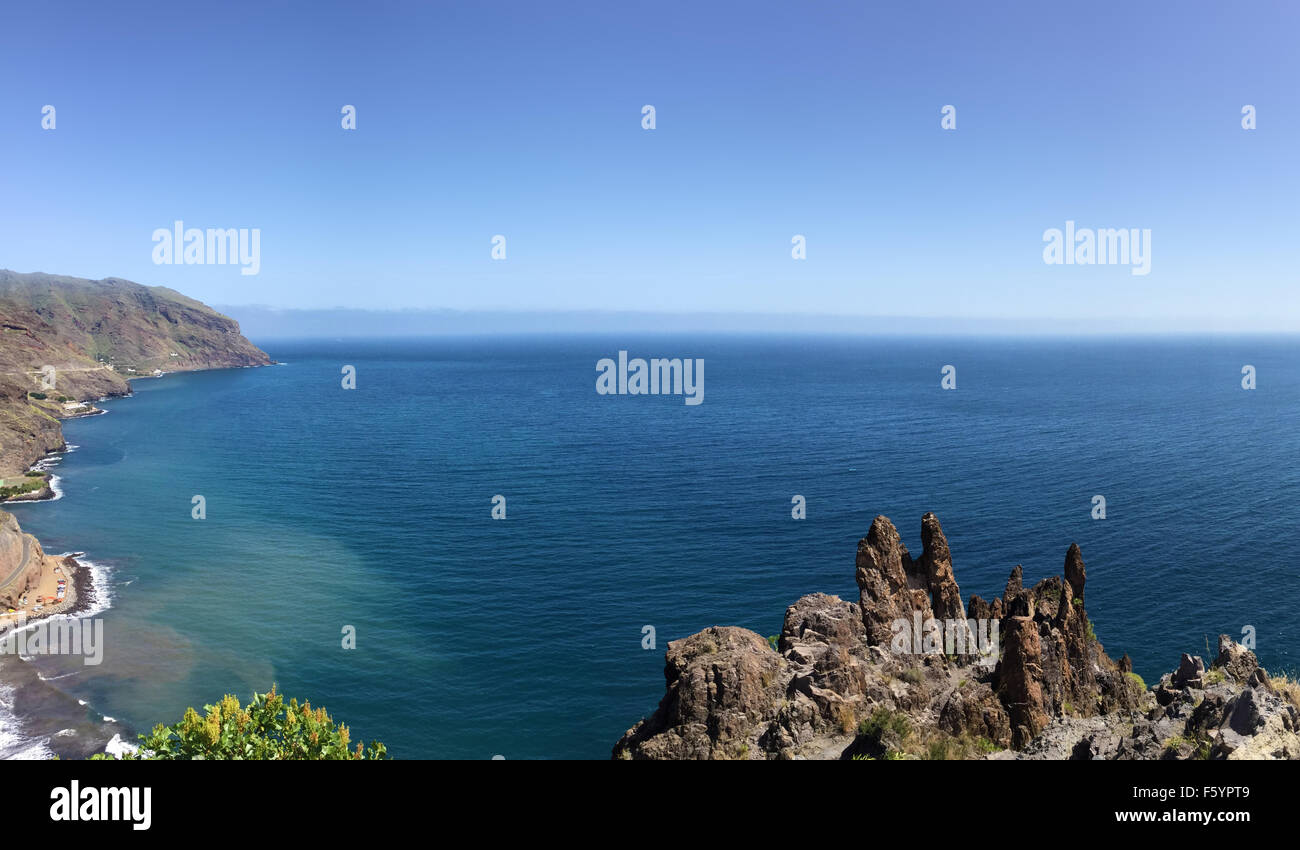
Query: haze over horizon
x: 821, y: 122
x: 263, y: 322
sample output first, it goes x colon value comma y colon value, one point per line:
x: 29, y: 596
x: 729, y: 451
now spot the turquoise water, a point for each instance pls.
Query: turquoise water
x: 372, y: 508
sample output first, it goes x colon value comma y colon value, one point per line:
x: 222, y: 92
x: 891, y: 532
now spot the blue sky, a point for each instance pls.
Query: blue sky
x: 773, y: 119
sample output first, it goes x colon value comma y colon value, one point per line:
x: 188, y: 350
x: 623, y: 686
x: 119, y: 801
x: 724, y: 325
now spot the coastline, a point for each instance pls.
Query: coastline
x: 51, y: 492
x: 23, y: 732
x: 85, y: 595
x: 39, y: 719
x: 48, y: 457
x: 79, y: 597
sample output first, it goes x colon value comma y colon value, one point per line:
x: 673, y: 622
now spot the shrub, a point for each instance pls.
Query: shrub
x: 883, y: 719
x: 266, y: 729
x: 939, y: 749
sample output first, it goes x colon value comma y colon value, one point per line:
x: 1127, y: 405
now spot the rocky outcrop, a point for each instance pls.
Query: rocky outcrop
x: 721, y: 683
x: 894, y: 587
x: 1231, y: 711
x: 882, y: 678
x: 1237, y: 663
x: 891, y: 585
x: 1020, y: 679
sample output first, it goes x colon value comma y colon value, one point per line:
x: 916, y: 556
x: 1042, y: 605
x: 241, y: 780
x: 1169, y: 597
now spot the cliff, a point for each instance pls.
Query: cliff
x: 908, y: 672
x: 66, y: 339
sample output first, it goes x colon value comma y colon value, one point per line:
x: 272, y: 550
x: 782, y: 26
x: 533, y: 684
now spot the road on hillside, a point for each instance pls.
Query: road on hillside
x: 22, y: 565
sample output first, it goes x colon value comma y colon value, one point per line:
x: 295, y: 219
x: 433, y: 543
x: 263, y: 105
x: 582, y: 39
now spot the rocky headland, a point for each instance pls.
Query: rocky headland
x: 879, y: 679
x: 66, y: 343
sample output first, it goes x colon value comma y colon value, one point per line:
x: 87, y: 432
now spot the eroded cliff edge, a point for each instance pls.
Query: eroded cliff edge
x: 851, y: 679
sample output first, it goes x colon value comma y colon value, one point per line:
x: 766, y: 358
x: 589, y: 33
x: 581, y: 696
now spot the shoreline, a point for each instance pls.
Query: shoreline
x: 50, y: 492
x: 78, y: 598
x: 83, y: 594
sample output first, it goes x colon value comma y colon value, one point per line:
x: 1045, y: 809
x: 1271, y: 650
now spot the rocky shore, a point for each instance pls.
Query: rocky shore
x: 848, y: 680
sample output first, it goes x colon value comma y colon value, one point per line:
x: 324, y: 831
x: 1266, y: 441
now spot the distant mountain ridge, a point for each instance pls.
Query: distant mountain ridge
x: 68, y: 339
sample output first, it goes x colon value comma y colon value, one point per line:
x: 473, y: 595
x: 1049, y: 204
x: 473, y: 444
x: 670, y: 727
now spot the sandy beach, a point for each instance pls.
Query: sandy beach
x: 77, y: 595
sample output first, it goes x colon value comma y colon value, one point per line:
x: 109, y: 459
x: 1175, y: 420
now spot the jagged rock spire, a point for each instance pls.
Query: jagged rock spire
x: 1075, y: 573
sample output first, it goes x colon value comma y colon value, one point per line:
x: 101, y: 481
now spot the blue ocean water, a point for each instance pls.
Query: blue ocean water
x: 523, y: 637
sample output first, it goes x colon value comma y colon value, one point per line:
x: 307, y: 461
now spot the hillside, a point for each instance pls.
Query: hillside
x: 88, y: 338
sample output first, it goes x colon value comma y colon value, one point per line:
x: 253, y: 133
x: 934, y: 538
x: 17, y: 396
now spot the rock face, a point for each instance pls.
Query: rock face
x: 846, y: 680
x: 721, y: 682
x: 1020, y: 679
x: 893, y: 586
x: 1230, y: 711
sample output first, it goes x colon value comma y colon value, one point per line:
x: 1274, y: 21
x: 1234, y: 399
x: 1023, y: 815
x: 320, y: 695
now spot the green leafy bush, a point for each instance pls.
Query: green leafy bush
x: 268, y: 728
x: 882, y: 720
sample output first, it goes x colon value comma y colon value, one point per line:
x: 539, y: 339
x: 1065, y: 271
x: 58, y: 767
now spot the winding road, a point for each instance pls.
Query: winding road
x: 22, y: 565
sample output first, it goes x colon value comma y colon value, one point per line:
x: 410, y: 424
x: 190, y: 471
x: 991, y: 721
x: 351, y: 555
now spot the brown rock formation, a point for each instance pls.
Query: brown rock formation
x: 838, y: 688
x: 891, y: 586
x: 1020, y: 676
x: 1231, y: 711
x: 1075, y: 574
x: 894, y: 587
x: 837, y: 668
x: 721, y: 682
x: 1236, y: 662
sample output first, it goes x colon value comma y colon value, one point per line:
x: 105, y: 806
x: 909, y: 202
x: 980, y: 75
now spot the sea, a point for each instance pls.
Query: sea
x: 333, y: 516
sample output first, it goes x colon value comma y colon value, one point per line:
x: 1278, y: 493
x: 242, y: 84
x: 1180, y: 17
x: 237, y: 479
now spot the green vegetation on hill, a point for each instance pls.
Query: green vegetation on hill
x: 10, y: 487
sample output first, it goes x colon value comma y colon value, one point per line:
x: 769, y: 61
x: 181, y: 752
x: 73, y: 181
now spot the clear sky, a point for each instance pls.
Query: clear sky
x: 773, y: 119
